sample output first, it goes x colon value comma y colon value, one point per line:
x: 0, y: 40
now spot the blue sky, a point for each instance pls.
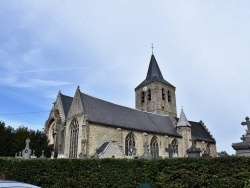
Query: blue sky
x: 202, y: 48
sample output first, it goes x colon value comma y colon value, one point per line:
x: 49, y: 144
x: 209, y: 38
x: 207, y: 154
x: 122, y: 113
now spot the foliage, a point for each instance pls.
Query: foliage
x: 108, y: 173
x: 224, y: 154
x: 13, y: 140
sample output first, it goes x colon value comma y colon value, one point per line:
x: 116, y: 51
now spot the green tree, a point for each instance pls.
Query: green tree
x: 13, y: 141
x: 6, y: 135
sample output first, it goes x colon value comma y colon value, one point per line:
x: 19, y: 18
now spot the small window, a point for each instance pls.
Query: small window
x: 149, y: 95
x: 169, y: 96
x: 142, y: 97
x: 162, y: 94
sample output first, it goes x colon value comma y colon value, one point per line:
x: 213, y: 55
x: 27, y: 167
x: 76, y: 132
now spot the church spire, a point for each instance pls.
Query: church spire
x: 153, y: 74
x: 153, y: 69
x: 155, y: 94
x: 183, y: 122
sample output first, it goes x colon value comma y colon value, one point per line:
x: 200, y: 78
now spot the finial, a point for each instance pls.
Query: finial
x: 182, y: 107
x: 152, y: 49
x: 78, y: 87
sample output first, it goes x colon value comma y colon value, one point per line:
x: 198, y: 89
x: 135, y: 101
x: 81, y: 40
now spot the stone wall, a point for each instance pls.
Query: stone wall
x: 202, y: 146
x: 185, y: 141
x: 156, y: 104
x: 98, y: 134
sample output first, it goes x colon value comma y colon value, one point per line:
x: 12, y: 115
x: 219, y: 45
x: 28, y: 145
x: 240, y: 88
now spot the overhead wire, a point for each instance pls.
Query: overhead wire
x: 18, y: 113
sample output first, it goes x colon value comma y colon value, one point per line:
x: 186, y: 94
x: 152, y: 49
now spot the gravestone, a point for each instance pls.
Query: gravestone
x: 193, y: 151
x: 96, y: 156
x: 33, y: 156
x: 26, y: 153
x: 83, y: 155
x: 146, y: 154
x: 52, y: 155
x: 243, y: 148
x: 42, y: 156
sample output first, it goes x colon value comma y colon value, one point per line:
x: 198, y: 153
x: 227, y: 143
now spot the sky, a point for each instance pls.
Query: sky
x: 202, y: 48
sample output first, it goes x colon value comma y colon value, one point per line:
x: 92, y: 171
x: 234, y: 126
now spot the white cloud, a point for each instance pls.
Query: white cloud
x: 14, y: 81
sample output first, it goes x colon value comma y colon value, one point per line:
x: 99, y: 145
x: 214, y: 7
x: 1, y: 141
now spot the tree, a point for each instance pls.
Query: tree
x: 6, y: 135
x: 13, y: 141
x: 223, y: 154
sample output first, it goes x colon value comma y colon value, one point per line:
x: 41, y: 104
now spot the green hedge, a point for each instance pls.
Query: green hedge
x: 177, y: 172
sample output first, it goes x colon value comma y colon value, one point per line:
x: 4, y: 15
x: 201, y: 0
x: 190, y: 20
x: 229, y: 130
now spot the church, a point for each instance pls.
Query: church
x: 83, y: 126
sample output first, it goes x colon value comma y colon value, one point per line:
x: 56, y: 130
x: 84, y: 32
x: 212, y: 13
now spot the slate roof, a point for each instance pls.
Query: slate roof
x: 102, y: 148
x: 66, y: 102
x: 199, y: 132
x: 183, y: 120
x: 103, y: 112
x: 154, y: 74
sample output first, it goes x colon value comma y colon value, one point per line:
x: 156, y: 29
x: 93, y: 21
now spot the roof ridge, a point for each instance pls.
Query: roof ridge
x: 125, y: 106
x: 66, y: 95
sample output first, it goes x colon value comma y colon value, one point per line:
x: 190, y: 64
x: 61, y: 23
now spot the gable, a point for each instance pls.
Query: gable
x: 76, y: 104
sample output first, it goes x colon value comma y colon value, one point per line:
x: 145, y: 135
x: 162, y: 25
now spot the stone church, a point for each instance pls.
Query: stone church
x: 85, y: 126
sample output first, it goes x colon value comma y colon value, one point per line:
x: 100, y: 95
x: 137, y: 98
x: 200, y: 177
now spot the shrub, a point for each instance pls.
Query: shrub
x: 176, y: 172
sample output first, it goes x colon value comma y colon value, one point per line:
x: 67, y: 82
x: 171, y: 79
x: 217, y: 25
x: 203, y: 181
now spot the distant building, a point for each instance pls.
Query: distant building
x: 85, y: 126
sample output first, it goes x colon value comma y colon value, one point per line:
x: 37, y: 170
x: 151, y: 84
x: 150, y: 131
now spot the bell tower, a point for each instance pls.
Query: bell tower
x: 155, y: 94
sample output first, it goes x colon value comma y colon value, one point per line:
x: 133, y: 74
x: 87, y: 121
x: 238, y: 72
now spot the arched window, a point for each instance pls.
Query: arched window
x: 74, y: 130
x: 149, y: 95
x: 130, y: 145
x: 169, y: 96
x: 154, y: 148
x: 142, y: 97
x: 208, y: 149
x: 174, y: 145
x: 51, y: 132
x: 162, y: 94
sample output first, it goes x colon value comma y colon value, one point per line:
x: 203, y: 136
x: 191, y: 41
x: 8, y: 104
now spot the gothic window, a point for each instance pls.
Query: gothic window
x: 74, y: 130
x: 154, y: 148
x: 174, y: 145
x: 163, y: 94
x: 142, y: 97
x: 51, y: 133
x: 149, y: 95
x: 208, y: 149
x: 130, y: 145
x: 169, y: 96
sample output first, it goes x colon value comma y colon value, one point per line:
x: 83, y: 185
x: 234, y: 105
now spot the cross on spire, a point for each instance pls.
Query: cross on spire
x: 152, y: 48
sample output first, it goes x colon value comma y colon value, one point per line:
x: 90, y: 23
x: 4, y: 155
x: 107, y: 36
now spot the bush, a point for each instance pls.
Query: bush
x: 176, y: 172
